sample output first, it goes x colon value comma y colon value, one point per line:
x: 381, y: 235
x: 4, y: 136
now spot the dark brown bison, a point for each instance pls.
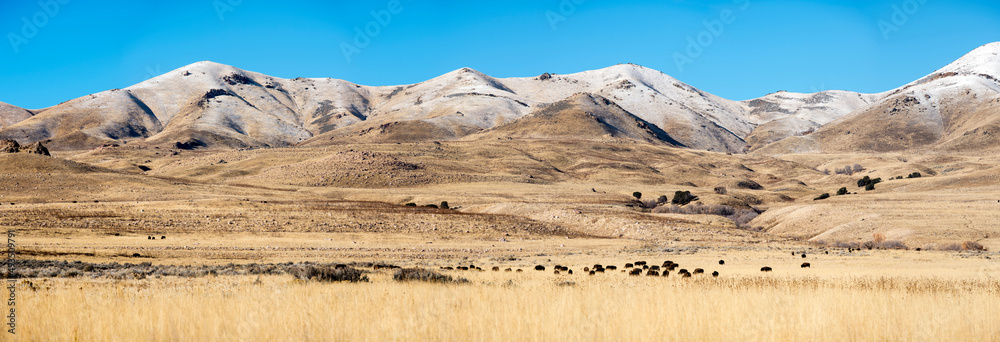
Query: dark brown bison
x: 539, y: 268
x: 507, y: 269
x: 628, y: 265
x: 635, y: 272
x: 698, y: 271
x: 496, y: 268
x: 652, y: 273
x: 722, y: 262
x: 715, y: 273
x: 765, y: 269
x: 803, y: 255
x: 611, y: 267
x: 806, y: 265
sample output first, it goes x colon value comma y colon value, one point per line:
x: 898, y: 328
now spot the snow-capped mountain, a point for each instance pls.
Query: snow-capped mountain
x: 214, y: 105
x: 956, y: 108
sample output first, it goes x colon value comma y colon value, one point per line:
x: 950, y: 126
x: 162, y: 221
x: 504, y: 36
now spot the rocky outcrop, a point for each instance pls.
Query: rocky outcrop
x: 11, y: 146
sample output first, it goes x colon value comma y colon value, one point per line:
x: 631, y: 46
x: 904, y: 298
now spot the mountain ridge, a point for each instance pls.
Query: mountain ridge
x: 209, y: 104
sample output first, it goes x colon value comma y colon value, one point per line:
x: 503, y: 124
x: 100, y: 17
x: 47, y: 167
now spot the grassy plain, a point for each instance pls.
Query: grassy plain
x: 514, y: 204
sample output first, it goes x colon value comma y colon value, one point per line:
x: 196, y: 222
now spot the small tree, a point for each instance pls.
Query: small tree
x: 864, y: 182
x: 683, y: 198
x: 637, y: 195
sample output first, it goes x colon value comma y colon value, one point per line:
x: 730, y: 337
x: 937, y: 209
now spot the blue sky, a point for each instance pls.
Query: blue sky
x: 741, y: 48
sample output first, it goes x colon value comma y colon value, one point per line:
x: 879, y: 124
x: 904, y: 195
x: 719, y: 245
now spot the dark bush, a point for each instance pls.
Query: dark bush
x: 683, y: 198
x: 330, y: 273
x: 822, y: 197
x: 420, y: 274
x: 914, y: 175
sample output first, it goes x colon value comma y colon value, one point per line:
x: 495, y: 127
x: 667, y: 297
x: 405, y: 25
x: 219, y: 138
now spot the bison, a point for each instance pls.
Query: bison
x: 539, y: 268
x: 765, y: 269
x: 806, y: 265
x: 722, y: 262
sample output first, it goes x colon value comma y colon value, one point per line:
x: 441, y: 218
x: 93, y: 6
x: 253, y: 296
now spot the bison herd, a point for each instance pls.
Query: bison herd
x: 637, y: 268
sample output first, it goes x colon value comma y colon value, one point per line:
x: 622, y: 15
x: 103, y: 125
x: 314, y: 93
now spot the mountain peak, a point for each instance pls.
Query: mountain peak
x: 983, y: 60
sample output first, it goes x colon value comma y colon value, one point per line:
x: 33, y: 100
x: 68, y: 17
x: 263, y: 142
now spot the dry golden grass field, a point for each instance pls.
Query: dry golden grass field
x: 179, y: 245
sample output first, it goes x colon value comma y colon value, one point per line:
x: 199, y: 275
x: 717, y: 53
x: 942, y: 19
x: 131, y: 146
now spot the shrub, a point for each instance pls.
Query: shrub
x: 444, y: 205
x: 721, y: 190
x: 879, y: 238
x: 637, y: 195
x: 683, y: 198
x: 849, y: 169
x: 893, y: 244
x: 842, y: 244
x: 950, y: 247
x: 842, y: 191
x: 972, y: 246
x: 822, y: 197
x: 869, y: 245
x: 914, y: 175
x: 421, y: 274
x: 330, y: 273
